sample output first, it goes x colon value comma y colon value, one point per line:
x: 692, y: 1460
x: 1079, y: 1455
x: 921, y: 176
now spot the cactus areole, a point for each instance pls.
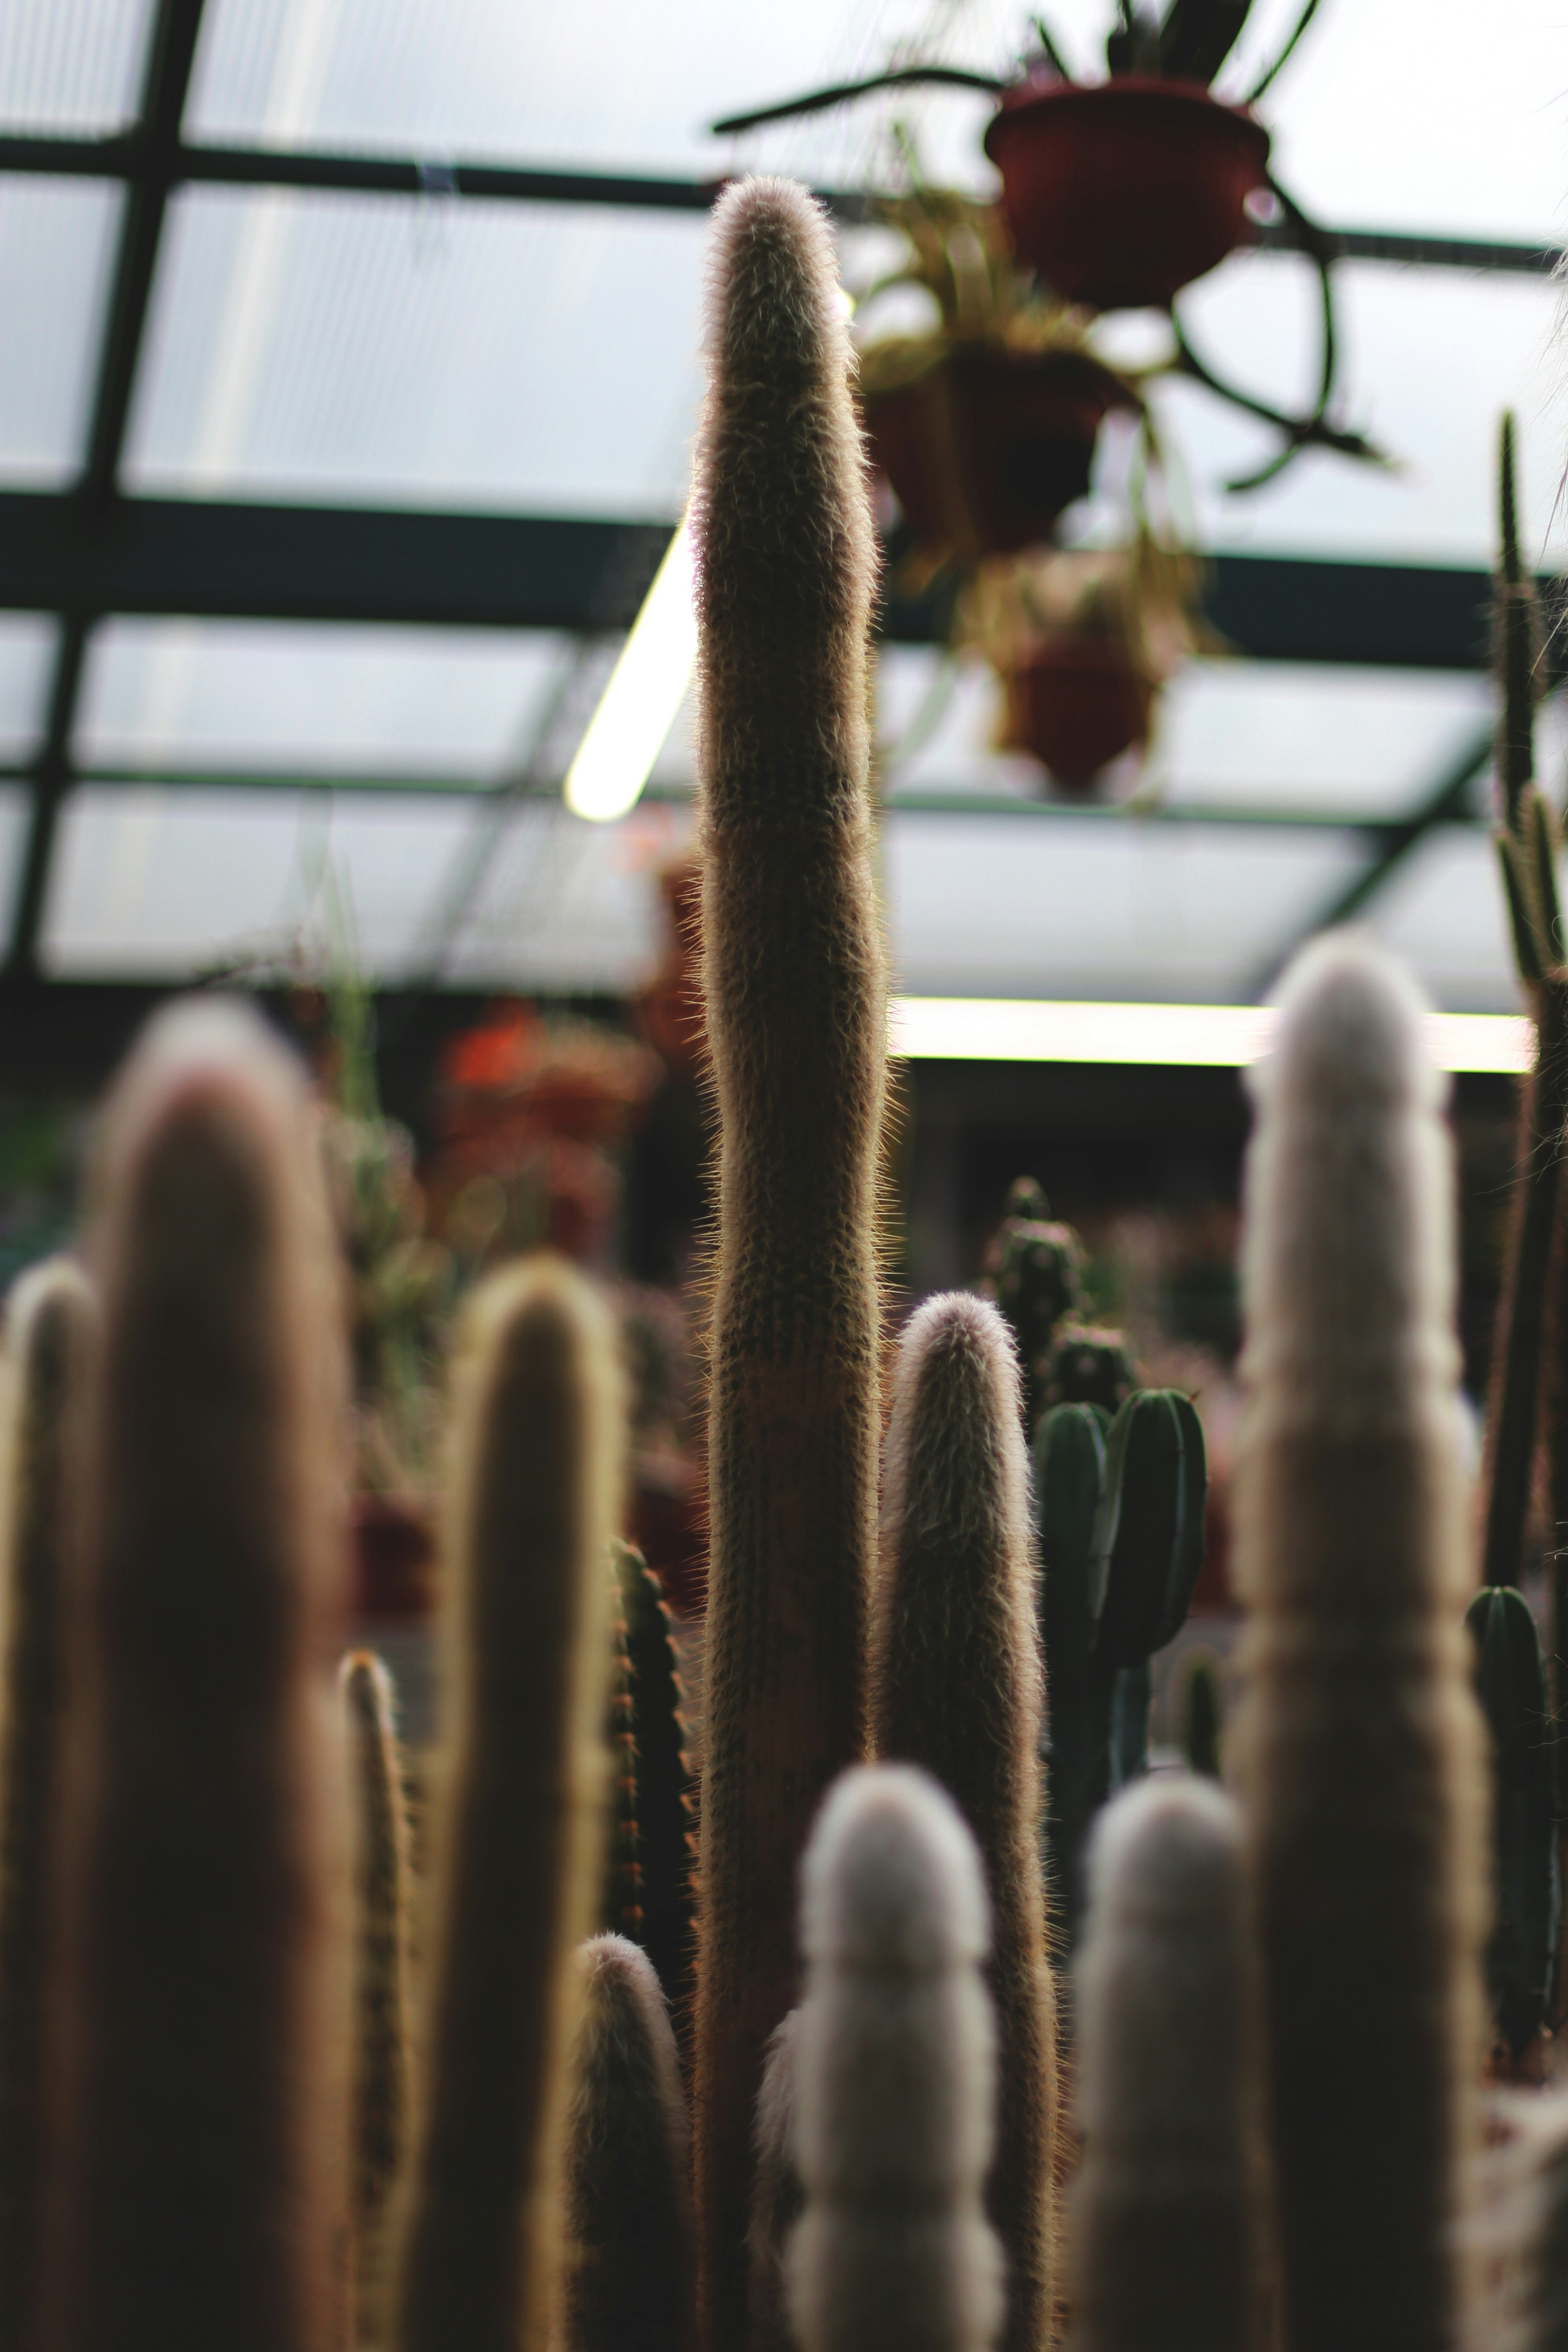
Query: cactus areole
x: 1122, y: 193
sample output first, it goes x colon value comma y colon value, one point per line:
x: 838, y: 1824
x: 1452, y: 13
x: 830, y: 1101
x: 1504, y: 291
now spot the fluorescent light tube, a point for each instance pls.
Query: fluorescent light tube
x: 1226, y: 1036
x: 646, y: 687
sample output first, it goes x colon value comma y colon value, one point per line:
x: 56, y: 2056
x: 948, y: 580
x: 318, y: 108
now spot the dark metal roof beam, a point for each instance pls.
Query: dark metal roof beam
x: 155, y: 142
x: 201, y: 557
x: 123, y: 157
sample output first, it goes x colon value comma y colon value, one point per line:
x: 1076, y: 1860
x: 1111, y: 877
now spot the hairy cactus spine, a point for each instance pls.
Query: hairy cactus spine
x: 50, y: 1329
x: 380, y: 2042
x: 1359, y: 1739
x: 1162, y: 2236
x: 664, y: 1784
x: 630, y: 2281
x: 895, y: 2076
x: 794, y: 990
x: 537, y: 1466
x: 956, y: 1688
x: 200, y: 2181
x: 777, y: 2196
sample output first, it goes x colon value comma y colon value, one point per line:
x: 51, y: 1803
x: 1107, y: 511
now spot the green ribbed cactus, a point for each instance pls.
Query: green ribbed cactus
x: 1164, y: 2210
x: 1034, y: 1271
x: 202, y: 2118
x: 665, y: 1813
x: 794, y: 993
x: 1358, y: 1746
x: 1510, y: 1681
x: 383, y: 2058
x: 1120, y: 1510
x: 536, y: 1478
x: 51, y: 1327
x: 628, y: 2248
x: 895, y: 2079
x: 956, y: 1688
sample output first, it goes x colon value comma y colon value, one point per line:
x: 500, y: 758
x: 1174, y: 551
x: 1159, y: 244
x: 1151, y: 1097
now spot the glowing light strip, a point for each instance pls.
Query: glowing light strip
x: 637, y: 708
x: 1223, y: 1037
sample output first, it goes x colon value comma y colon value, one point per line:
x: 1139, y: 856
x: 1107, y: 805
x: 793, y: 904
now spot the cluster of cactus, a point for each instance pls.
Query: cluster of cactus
x: 1279, y: 2029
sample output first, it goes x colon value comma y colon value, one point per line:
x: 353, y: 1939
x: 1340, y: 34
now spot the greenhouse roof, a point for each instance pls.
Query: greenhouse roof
x: 345, y: 412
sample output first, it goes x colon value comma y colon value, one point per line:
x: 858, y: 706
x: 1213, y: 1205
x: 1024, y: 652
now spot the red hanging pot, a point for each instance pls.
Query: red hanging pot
x: 985, y: 449
x: 1121, y: 193
x: 1077, y: 702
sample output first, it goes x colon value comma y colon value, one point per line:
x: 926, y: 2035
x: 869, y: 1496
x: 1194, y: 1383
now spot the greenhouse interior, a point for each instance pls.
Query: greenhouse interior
x: 781, y: 797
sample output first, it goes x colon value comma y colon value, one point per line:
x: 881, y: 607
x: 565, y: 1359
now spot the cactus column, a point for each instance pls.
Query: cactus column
x: 1360, y: 1741
x: 795, y: 1009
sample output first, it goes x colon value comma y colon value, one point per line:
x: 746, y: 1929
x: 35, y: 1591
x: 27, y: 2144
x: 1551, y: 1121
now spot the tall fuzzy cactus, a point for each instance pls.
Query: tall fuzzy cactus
x: 1359, y: 1740
x: 381, y: 2056
x: 795, y: 992
x: 777, y: 2193
x: 536, y: 1487
x: 50, y: 1329
x: 199, y: 2183
x: 629, y: 2255
x: 1163, y: 2236
x: 956, y: 1688
x: 894, y: 2079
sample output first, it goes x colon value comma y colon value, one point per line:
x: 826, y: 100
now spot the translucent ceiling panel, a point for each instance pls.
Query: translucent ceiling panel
x: 153, y: 883
x: 71, y: 65
x: 1241, y: 735
x: 1430, y: 358
x: 1443, y: 912
x: 611, y: 82
x: 422, y: 349
x: 259, y: 694
x: 26, y: 649
x: 57, y: 239
x: 13, y: 808
x: 1049, y: 906
x: 567, y: 906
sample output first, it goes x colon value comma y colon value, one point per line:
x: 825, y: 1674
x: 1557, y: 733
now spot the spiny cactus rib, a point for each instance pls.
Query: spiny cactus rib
x: 1359, y: 1739
x: 538, y: 1450
x: 1162, y: 2230
x: 794, y: 990
x: 200, y: 2181
x: 894, y: 2079
x: 664, y: 1785
x: 382, y: 2058
x: 777, y: 2197
x: 620, y: 1901
x: 630, y: 2277
x: 51, y: 1326
x: 956, y: 1688
x: 1511, y: 1681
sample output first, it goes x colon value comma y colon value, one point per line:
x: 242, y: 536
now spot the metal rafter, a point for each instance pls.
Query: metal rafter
x: 120, y: 157
x: 152, y: 151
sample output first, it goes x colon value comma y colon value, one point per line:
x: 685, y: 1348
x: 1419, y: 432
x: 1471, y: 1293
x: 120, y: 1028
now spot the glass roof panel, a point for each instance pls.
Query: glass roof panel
x: 56, y: 241
x: 14, y: 805
x: 152, y: 883
x: 258, y: 695
x: 422, y: 349
x: 1443, y: 912
x: 569, y: 908
x: 26, y: 645
x: 1243, y: 735
x: 71, y: 65
x: 1050, y: 905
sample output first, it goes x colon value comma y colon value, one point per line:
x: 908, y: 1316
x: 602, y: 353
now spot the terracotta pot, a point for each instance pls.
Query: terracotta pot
x: 393, y: 1555
x: 986, y: 449
x: 1122, y: 193
x: 1076, y: 704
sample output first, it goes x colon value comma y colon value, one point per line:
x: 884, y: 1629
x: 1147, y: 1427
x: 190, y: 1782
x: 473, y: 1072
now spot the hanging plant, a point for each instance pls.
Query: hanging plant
x: 1118, y: 195
x: 985, y: 427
